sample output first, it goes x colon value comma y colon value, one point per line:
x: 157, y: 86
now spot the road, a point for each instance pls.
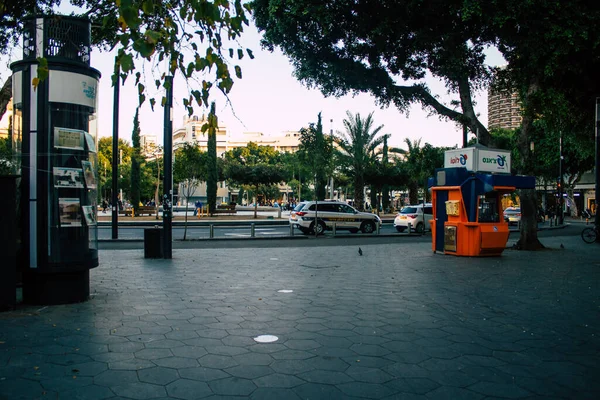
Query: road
x: 229, y: 231
x: 266, y: 241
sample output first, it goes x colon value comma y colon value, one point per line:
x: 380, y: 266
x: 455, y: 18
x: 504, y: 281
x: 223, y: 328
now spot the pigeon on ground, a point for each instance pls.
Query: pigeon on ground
x: 359, y: 251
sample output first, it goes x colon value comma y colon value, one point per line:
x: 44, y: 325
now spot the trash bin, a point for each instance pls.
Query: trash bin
x: 153, y: 243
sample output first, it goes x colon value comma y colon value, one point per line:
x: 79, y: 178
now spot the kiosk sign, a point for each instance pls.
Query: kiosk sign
x: 459, y: 158
x: 493, y: 161
x: 478, y: 160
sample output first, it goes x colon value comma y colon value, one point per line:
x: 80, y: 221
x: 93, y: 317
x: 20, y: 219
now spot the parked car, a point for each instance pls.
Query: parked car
x: 418, y: 216
x: 327, y: 213
x: 512, y: 215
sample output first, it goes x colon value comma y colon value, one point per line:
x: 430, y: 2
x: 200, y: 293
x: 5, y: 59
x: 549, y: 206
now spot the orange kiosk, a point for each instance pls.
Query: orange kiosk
x: 467, y: 209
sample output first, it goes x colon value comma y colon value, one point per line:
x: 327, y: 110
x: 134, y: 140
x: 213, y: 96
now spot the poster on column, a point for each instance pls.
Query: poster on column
x: 65, y: 138
x: 68, y: 177
x: 69, y: 210
x: 89, y: 212
x: 88, y: 173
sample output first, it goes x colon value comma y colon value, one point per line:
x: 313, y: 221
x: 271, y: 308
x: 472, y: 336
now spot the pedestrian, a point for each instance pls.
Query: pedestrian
x: 104, y: 205
x: 197, y: 207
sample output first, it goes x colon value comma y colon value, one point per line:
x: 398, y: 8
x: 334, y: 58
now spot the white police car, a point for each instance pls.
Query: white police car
x: 327, y: 213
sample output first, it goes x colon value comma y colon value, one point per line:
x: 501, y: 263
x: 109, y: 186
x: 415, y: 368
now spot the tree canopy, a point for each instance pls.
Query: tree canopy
x: 187, y: 36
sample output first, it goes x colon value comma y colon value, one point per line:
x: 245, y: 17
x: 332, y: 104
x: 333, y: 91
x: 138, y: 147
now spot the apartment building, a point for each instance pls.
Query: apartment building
x: 191, y: 132
x: 504, y: 110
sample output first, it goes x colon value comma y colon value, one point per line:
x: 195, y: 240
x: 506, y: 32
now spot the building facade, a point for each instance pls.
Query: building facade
x: 191, y: 133
x: 504, y: 110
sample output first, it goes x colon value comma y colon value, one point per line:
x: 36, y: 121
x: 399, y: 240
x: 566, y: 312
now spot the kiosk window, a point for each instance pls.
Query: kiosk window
x: 488, y: 208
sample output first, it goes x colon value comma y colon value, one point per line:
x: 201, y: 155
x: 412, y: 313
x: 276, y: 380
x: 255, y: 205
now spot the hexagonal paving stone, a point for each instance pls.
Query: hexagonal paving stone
x: 176, y: 362
x: 263, y: 393
x: 66, y: 383
x: 112, y: 357
x: 368, y: 375
x: 153, y: 354
x: 226, y: 350
x: 301, y: 344
x: 134, y: 364
x: 188, y: 389
x: 139, y: 390
x: 89, y: 392
x: 91, y: 348
x: 325, y: 377
x: 328, y: 363
x: 253, y: 359
x: 115, y: 378
x: 318, y: 391
x: 509, y: 391
x: 202, y: 374
x: 189, y: 351
x: 20, y: 388
x: 414, y: 385
x: 216, y: 361
x: 278, y: 381
x: 181, y: 335
x: 249, y: 371
x: 164, y: 344
x: 445, y: 392
x: 92, y: 368
x: 158, y: 375
x: 292, y: 355
x: 232, y: 386
x: 365, y: 390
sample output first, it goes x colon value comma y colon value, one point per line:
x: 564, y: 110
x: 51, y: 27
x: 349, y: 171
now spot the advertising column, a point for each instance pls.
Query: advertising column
x: 59, y: 195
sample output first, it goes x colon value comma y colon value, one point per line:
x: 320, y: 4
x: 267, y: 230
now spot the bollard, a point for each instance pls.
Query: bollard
x: 291, y: 230
x: 333, y: 229
x: 378, y: 228
x: 211, y: 231
x: 279, y: 212
x: 252, y: 229
x: 409, y: 228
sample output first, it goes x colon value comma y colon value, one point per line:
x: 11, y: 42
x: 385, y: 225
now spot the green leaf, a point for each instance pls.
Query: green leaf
x: 240, y: 54
x: 126, y: 62
x: 152, y: 36
x: 230, y: 53
x: 130, y: 17
x: 152, y: 103
x: 148, y: 7
x: 250, y: 54
x: 238, y: 72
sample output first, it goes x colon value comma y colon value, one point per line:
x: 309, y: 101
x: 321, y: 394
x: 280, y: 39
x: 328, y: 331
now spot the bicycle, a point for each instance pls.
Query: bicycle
x: 590, y: 234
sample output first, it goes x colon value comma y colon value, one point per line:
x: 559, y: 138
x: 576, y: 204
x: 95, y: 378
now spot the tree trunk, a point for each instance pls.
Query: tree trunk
x: 5, y: 95
x: 256, y: 204
x: 466, y: 102
x: 413, y: 190
x: 529, y: 237
x: 186, y: 219
x: 359, y: 198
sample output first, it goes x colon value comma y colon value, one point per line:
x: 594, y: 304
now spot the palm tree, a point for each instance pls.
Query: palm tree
x: 419, y: 164
x: 357, y: 149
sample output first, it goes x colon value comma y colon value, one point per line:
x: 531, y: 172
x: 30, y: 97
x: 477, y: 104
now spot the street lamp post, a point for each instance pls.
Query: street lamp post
x: 597, y: 188
x: 560, y: 183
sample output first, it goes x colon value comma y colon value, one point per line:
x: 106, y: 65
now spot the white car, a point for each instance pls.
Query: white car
x: 418, y: 216
x: 327, y: 213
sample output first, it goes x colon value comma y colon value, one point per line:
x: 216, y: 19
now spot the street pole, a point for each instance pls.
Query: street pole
x: 560, y: 183
x: 331, y: 178
x: 115, y: 150
x: 597, y: 221
x: 168, y: 171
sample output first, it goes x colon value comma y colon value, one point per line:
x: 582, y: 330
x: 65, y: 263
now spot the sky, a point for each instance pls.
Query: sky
x: 269, y: 99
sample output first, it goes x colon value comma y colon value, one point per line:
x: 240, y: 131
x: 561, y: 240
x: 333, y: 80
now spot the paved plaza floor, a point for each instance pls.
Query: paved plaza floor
x: 398, y: 322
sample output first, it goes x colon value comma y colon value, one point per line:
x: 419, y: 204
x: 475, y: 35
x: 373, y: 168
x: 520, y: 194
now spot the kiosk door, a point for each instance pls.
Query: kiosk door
x: 440, y: 218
